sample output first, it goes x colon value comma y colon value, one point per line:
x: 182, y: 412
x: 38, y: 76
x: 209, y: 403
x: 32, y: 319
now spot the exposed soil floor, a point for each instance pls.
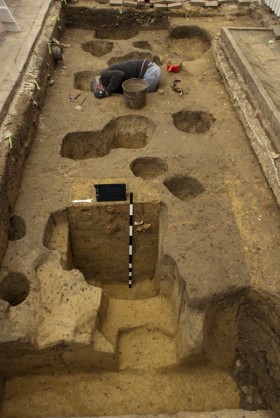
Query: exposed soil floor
x: 123, y: 392
x: 219, y: 205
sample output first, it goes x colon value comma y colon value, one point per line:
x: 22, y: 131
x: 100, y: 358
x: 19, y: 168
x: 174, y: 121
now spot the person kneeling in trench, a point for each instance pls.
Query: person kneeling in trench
x: 111, y: 79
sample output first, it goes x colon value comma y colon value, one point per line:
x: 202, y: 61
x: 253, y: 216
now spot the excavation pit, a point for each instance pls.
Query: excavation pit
x: 140, y: 350
x: 148, y: 167
x: 135, y: 55
x: 184, y: 188
x: 17, y: 228
x: 94, y: 241
x: 98, y: 48
x: 188, y: 42
x: 82, y: 80
x: 142, y: 45
x: 14, y: 288
x: 83, y: 145
x: 193, y: 121
x: 132, y: 132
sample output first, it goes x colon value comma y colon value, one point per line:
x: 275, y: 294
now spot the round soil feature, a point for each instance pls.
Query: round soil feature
x: 148, y: 168
x: 116, y: 33
x: 98, y: 47
x: 17, y: 228
x: 193, y: 121
x: 142, y: 45
x: 83, y: 145
x: 82, y: 80
x: 135, y: 55
x: 184, y: 187
x: 130, y: 131
x: 188, y: 42
x: 14, y: 288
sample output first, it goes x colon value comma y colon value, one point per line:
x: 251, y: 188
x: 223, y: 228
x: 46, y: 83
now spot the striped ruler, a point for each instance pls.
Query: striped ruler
x: 130, y: 249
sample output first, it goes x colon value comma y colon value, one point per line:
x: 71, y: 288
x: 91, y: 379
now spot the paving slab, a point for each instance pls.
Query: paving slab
x: 130, y: 3
x: 174, y: 6
x: 244, y: 2
x: 211, y: 4
x: 221, y: 2
x: 161, y: 7
x: 116, y: 3
x: 198, y: 3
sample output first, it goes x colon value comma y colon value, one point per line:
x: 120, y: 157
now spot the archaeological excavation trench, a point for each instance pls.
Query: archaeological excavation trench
x: 198, y: 330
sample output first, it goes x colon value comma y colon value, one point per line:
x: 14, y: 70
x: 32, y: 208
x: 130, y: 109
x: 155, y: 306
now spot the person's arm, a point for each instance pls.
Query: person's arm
x: 116, y: 78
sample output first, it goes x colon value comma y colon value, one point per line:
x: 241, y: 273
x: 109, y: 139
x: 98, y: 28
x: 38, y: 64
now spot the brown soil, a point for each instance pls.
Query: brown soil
x: 118, y: 393
x: 218, y: 206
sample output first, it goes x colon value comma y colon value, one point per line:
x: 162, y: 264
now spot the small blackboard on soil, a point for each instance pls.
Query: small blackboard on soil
x: 110, y: 192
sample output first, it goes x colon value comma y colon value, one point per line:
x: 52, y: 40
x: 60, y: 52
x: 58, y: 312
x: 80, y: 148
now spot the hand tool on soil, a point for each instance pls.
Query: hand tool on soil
x: 81, y: 106
x: 130, y: 247
x: 176, y: 88
x: 74, y: 97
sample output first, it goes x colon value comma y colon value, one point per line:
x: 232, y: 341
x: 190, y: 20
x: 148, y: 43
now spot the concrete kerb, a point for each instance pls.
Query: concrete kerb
x: 257, y: 136
x: 256, y: 88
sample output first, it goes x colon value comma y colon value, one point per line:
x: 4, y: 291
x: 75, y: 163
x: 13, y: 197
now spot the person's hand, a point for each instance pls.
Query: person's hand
x: 101, y: 94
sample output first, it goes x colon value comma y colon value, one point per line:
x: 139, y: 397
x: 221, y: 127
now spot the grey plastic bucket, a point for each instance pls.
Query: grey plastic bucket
x: 134, y: 91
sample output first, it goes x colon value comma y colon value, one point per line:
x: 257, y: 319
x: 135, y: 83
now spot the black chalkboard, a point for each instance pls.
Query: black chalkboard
x: 110, y: 192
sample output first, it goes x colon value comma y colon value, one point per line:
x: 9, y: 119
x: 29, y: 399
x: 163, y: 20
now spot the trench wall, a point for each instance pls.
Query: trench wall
x: 87, y: 18
x: 253, y: 320
x: 259, y: 342
x: 245, y: 326
x: 26, y: 105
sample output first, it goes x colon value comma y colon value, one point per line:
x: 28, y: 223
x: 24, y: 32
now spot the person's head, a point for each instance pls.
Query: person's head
x: 97, y: 88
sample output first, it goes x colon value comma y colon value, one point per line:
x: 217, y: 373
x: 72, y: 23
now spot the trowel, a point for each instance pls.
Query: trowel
x: 80, y: 106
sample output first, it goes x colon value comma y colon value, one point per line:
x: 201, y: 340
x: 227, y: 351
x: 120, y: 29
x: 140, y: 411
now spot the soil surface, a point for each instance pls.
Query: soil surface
x: 263, y: 53
x: 222, y: 229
